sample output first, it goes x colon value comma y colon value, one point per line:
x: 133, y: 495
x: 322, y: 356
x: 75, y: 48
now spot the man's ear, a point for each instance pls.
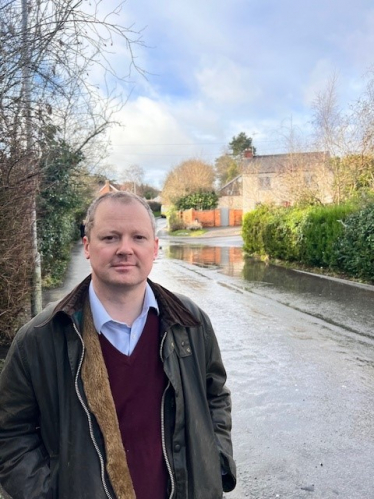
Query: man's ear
x: 86, y: 246
x: 155, y: 252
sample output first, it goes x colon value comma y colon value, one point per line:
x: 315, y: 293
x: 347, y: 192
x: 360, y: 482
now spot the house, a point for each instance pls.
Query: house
x: 285, y: 179
x: 107, y: 187
x: 231, y: 194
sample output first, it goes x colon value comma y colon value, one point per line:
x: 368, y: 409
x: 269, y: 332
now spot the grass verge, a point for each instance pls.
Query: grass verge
x: 187, y: 233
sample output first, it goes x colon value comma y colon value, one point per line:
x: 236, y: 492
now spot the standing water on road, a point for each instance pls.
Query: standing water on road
x: 302, y: 388
x: 348, y: 305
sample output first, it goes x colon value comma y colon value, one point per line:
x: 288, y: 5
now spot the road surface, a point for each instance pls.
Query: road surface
x: 302, y: 390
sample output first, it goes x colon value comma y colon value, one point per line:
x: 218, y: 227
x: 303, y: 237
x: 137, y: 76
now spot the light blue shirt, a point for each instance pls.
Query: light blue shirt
x: 120, y: 335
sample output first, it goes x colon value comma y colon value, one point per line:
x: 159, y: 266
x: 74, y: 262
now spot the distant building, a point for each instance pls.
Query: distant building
x: 279, y: 179
x: 107, y: 187
x: 285, y: 179
x: 231, y: 194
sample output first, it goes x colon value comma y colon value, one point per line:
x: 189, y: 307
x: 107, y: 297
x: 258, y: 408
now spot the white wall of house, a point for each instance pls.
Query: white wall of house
x: 286, y: 188
x: 233, y: 202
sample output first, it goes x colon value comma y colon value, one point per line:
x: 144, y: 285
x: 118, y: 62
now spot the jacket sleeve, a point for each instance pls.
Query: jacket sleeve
x: 219, y: 400
x: 24, y: 462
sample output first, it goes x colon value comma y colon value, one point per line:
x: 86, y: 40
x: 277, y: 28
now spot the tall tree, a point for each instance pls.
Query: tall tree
x: 226, y: 168
x: 133, y: 177
x: 240, y: 143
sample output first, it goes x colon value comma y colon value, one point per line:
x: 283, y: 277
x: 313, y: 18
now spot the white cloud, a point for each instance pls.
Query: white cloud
x: 318, y: 79
x: 151, y: 136
x: 218, y: 68
x: 227, y: 84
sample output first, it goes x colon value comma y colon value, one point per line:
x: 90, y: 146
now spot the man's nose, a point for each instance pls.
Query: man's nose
x: 125, y: 246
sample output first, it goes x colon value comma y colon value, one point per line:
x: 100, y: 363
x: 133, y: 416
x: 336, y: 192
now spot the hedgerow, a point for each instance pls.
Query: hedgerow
x: 355, y: 248
x: 336, y: 237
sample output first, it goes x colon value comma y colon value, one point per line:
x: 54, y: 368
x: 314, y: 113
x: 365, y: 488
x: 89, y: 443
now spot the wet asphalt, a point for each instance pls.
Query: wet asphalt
x: 302, y: 388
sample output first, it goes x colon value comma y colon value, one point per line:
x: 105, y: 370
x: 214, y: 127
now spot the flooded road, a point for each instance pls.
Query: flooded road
x: 350, y: 306
x: 302, y: 387
x: 299, y: 354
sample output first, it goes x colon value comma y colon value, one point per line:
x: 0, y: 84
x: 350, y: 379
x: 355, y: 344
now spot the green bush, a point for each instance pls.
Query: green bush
x: 155, y: 206
x: 174, y: 221
x: 320, y: 232
x: 198, y: 201
x: 57, y: 234
x: 355, y: 248
x: 282, y: 235
x: 274, y: 232
x: 253, y: 228
x: 60, y: 204
x: 309, y: 235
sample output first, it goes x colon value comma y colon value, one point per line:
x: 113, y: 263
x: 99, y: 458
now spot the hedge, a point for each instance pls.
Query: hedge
x: 337, y: 237
x: 355, y: 248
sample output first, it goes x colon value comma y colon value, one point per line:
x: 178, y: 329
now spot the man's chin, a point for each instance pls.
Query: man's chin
x: 123, y: 283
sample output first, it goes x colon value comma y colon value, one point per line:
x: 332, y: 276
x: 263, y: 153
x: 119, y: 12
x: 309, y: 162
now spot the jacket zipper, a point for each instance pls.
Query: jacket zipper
x: 86, y: 410
x: 163, y: 426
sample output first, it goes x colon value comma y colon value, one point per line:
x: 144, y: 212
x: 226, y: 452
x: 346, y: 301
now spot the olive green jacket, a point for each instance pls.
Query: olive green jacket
x: 59, y: 435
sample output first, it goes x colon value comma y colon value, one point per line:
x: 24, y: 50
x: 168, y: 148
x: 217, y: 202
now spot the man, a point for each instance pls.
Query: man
x: 82, y: 229
x: 118, y: 391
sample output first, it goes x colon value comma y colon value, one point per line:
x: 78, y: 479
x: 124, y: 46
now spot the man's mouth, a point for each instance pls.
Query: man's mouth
x: 123, y: 265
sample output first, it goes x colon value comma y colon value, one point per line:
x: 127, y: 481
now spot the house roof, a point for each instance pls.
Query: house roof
x: 274, y: 163
x: 231, y: 186
x: 107, y: 187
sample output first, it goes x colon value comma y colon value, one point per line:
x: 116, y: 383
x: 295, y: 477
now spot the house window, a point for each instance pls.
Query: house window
x: 264, y: 183
x: 310, y: 180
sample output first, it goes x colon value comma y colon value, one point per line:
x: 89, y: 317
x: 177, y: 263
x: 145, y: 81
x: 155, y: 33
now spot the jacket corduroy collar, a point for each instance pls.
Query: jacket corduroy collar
x: 172, y: 310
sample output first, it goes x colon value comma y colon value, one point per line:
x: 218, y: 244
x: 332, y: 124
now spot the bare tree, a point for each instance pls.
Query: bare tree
x: 47, y: 53
x: 331, y: 127
x: 133, y: 176
x: 330, y: 123
x: 303, y: 176
x: 188, y: 177
x: 348, y: 136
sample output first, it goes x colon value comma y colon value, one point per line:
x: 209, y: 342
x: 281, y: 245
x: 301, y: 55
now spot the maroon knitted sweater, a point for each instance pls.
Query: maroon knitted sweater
x: 137, y: 383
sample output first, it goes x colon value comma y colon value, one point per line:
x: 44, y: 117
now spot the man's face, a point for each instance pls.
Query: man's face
x: 122, y: 246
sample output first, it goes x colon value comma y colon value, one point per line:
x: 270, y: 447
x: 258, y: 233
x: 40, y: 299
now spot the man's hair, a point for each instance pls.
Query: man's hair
x: 122, y: 197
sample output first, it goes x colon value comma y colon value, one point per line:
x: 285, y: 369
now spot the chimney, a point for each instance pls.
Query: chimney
x: 248, y: 153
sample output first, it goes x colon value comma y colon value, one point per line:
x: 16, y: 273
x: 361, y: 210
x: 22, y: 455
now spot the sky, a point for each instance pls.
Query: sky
x: 216, y: 68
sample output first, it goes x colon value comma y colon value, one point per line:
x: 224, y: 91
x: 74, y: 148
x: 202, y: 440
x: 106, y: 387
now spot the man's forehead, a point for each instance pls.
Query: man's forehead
x: 112, y: 212
x: 129, y: 204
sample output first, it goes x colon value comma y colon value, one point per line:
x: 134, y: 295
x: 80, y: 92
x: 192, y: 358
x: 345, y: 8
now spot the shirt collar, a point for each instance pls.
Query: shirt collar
x: 100, y: 315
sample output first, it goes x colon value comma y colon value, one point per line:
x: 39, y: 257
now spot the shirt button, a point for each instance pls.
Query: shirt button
x: 177, y: 447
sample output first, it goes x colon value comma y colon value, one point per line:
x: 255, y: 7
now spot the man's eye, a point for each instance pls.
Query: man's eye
x: 139, y: 237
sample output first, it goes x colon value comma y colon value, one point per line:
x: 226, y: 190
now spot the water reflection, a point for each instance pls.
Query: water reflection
x: 228, y: 259
x: 351, y: 307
